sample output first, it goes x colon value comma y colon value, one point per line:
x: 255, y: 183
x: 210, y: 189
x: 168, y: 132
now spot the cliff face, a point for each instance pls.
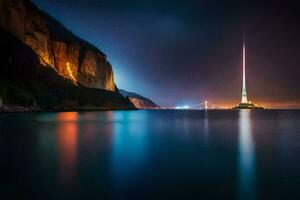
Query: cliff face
x: 139, y: 101
x: 142, y: 104
x: 56, y: 47
x: 26, y: 85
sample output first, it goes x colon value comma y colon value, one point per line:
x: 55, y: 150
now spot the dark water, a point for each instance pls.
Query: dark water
x: 151, y: 155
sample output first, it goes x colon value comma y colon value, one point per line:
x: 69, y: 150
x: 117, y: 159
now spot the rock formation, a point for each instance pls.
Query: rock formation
x: 139, y: 101
x: 56, y: 47
x: 26, y: 85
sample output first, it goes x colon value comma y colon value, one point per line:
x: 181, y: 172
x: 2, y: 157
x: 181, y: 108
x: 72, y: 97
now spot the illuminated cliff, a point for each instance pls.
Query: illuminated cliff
x: 56, y: 47
x: 26, y: 85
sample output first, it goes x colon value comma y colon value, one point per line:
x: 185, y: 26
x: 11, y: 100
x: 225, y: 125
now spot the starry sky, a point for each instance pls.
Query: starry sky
x: 186, y: 51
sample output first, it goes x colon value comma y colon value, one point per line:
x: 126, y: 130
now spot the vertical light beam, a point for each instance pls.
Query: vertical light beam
x: 244, y: 93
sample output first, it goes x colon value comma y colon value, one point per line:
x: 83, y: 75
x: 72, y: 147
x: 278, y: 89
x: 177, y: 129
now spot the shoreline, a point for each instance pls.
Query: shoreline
x: 21, y: 109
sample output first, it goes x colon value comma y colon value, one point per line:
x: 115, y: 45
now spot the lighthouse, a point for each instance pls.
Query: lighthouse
x: 244, y: 92
x: 245, y: 104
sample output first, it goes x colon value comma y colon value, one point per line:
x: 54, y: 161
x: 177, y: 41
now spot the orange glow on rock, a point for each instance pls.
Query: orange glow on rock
x: 70, y: 74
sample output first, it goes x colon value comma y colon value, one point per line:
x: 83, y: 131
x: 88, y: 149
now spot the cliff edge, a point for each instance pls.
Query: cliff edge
x: 26, y: 85
x: 139, y: 101
x: 44, y: 66
x: 57, y: 47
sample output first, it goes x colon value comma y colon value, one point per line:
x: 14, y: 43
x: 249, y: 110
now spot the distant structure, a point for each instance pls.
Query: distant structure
x: 206, y: 107
x: 244, y: 101
x: 244, y: 92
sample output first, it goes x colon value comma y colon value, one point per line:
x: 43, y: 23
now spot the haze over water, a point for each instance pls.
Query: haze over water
x: 159, y: 154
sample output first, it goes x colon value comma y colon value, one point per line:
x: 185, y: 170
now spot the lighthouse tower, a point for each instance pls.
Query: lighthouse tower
x: 244, y: 93
x: 245, y: 104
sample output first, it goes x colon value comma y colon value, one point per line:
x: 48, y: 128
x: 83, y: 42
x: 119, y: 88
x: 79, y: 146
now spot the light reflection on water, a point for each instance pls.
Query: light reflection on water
x: 129, y: 146
x: 67, y: 138
x: 168, y: 154
x: 246, y: 158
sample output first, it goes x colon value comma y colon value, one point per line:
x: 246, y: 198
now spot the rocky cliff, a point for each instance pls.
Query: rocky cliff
x: 56, y: 47
x: 139, y: 101
x: 26, y: 85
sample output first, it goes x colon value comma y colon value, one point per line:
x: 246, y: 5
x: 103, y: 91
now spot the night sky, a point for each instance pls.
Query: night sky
x: 184, y: 52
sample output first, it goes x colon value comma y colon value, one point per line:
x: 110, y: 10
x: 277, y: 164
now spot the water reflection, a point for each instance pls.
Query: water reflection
x: 129, y: 145
x: 206, y: 126
x: 127, y: 154
x: 67, y: 130
x: 246, y: 158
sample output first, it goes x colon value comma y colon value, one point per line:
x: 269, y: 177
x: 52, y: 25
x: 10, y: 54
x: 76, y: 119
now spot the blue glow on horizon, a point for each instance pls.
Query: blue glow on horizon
x: 182, y: 107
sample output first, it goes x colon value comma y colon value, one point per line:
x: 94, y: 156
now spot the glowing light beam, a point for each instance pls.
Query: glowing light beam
x: 73, y: 79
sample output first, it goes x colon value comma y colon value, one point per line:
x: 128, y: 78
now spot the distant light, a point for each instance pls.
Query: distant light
x: 206, y: 107
x: 182, y: 107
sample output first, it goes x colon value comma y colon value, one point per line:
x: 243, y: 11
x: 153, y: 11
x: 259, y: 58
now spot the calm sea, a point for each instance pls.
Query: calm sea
x: 151, y: 155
